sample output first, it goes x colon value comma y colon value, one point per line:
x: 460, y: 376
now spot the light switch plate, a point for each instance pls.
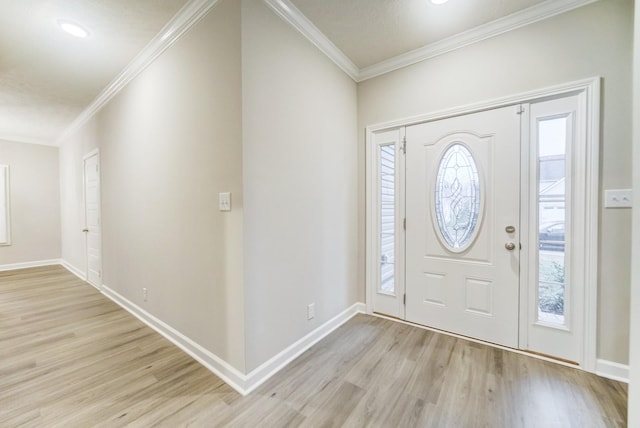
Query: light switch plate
x: 224, y: 201
x: 617, y: 198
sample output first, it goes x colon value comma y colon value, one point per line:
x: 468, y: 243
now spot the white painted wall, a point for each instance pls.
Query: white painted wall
x: 169, y: 142
x: 634, y: 357
x: 35, y: 203
x: 594, y: 40
x: 300, y: 184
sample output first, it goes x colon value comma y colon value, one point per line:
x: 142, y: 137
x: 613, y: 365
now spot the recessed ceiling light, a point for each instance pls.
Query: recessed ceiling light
x: 439, y: 1
x: 73, y: 29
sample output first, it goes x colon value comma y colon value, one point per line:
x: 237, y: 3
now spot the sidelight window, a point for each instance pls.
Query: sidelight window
x: 387, y: 196
x: 552, y: 218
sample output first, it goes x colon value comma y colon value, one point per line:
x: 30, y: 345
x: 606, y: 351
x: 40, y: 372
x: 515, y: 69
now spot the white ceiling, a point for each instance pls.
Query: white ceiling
x: 371, y: 31
x: 50, y: 80
x: 48, y: 77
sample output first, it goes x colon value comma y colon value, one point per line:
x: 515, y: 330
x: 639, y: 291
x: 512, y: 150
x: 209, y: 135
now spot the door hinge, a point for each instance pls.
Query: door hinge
x: 404, y: 224
x: 404, y: 145
x: 404, y: 299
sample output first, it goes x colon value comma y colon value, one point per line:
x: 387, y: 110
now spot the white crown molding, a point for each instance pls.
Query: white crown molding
x: 503, y: 25
x: 547, y: 9
x: 194, y: 10
x: 287, y: 11
x: 188, y: 16
x: 26, y: 140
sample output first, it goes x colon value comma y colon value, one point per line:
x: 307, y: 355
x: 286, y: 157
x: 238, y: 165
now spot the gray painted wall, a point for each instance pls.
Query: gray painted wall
x: 300, y: 183
x: 169, y: 142
x: 267, y: 117
x: 35, y: 203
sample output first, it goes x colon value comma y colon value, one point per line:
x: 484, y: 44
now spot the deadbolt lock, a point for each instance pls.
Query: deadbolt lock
x: 510, y: 229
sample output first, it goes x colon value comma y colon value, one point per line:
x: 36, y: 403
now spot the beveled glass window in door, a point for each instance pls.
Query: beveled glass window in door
x: 457, y: 197
x: 387, y: 186
x: 552, y: 188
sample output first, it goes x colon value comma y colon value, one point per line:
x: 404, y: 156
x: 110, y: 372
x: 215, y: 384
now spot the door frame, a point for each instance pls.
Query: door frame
x: 588, y: 91
x: 95, y: 152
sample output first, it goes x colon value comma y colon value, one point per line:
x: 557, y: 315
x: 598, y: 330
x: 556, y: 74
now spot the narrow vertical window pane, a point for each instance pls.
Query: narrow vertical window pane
x: 552, y: 186
x: 387, y: 217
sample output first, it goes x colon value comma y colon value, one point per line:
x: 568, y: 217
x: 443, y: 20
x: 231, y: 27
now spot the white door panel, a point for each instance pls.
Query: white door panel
x: 93, y: 229
x: 459, y: 275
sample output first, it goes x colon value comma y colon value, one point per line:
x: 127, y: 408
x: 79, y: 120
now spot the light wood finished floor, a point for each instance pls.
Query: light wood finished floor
x: 70, y: 357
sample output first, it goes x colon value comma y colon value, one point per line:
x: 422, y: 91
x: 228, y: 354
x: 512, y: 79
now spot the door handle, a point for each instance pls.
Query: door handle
x: 85, y: 230
x: 510, y: 246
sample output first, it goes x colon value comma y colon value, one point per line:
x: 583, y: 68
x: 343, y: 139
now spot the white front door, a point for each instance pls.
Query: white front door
x: 93, y: 228
x: 463, y: 225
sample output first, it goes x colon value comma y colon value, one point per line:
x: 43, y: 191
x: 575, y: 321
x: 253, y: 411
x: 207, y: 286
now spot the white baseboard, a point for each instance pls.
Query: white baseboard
x: 27, y: 265
x: 217, y: 365
x: 239, y: 381
x: 611, y: 370
x: 74, y: 270
x: 266, y: 370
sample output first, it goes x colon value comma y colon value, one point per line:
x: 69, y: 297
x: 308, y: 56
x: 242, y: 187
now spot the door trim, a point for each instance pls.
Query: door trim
x: 589, y: 91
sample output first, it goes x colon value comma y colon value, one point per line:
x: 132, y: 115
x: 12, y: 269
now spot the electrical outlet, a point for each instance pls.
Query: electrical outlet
x: 144, y: 293
x: 311, y: 311
x: 618, y: 198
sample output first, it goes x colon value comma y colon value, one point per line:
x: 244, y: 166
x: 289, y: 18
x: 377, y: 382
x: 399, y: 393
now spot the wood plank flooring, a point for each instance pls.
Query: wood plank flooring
x: 70, y: 357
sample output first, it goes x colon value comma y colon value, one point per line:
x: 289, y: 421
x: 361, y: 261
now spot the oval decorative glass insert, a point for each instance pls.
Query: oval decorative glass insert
x: 457, y: 196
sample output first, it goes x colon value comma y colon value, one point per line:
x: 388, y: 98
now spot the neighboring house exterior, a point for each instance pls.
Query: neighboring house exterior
x: 552, y: 189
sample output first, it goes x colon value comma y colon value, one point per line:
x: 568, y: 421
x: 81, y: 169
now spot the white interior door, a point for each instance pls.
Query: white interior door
x: 93, y: 229
x: 463, y: 224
